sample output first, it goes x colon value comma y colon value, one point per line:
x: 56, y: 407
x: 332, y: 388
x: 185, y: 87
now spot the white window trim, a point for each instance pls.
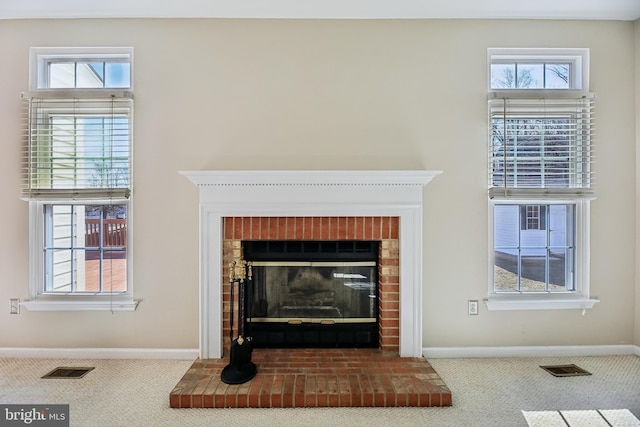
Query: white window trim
x: 579, y: 58
x: 38, y: 299
x: 42, y: 301
x: 39, y: 57
x: 578, y: 299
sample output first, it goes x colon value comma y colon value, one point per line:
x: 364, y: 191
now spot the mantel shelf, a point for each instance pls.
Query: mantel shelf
x: 311, y: 178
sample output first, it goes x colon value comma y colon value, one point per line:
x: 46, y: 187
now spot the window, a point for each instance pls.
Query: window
x: 553, y: 69
x: 76, y: 74
x: 527, y: 75
x: 85, y: 248
x: 528, y: 258
x: 533, y: 217
x: 540, y: 180
x: 81, y: 68
x: 78, y: 179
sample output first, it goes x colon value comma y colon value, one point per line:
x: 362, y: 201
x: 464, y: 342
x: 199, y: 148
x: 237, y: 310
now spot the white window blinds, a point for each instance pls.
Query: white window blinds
x: 540, y: 147
x: 77, y: 149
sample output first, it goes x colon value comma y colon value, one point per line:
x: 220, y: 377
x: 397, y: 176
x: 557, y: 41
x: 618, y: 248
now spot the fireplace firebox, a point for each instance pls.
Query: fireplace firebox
x: 313, y: 293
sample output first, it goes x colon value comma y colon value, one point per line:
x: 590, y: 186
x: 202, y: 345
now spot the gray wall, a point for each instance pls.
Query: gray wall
x: 285, y: 94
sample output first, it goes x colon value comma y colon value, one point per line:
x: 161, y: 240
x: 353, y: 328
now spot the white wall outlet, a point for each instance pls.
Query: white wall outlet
x: 15, y: 306
x: 473, y: 307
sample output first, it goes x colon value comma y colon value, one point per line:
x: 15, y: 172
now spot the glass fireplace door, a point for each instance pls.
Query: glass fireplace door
x: 314, y: 302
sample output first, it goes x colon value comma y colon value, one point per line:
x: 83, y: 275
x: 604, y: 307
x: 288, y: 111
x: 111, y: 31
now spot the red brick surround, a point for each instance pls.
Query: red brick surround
x: 383, y: 229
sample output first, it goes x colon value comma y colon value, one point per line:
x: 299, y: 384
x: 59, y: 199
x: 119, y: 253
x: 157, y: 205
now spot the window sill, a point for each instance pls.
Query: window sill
x: 538, y: 302
x: 84, y: 305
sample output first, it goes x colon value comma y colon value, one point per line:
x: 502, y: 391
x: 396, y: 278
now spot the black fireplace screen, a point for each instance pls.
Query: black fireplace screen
x: 306, y: 303
x: 314, y: 292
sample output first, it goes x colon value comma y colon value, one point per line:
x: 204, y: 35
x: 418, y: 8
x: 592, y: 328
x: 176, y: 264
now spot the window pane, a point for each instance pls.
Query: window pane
x: 64, y: 223
x: 560, y: 270
x: 506, y: 238
x: 118, y: 75
x: 115, y: 271
x: 62, y: 75
x: 561, y: 248
x: 505, y: 228
x: 533, y: 269
x: 98, y: 69
x: 505, y: 272
x: 534, y: 248
x: 60, y: 271
x: 525, y: 75
x: 93, y: 235
x: 561, y: 227
x: 557, y: 76
x: 87, y: 77
x: 85, y: 248
x: 115, y: 227
x: 530, y: 76
x: 503, y: 76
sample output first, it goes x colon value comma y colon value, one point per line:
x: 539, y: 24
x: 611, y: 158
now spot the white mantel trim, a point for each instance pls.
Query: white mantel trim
x: 320, y: 177
x: 310, y: 193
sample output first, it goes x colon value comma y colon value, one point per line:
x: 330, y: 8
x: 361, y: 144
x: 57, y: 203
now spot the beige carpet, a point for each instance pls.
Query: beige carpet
x: 486, y: 392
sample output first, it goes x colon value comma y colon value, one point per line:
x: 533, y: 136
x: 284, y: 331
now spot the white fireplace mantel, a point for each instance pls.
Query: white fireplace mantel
x: 314, y: 194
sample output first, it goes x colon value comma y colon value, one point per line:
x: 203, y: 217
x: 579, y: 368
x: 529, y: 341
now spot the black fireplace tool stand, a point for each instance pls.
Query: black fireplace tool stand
x: 240, y: 368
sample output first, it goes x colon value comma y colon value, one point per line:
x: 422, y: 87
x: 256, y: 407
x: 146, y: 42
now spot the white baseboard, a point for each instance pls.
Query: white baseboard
x: 530, y: 351
x: 428, y: 352
x: 100, y: 353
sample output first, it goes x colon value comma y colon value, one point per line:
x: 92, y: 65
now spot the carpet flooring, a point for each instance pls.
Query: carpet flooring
x: 487, y: 392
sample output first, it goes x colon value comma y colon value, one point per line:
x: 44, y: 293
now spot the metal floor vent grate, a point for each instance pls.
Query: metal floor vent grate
x: 68, y: 372
x: 565, y: 370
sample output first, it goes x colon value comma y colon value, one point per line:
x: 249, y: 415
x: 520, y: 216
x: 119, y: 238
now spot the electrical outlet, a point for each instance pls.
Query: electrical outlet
x: 15, y: 306
x: 473, y: 307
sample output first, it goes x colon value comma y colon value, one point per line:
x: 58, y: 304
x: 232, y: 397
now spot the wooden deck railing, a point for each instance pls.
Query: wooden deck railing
x: 114, y: 232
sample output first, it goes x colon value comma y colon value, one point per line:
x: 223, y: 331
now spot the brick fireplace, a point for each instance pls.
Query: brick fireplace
x: 381, y: 206
x: 376, y: 205
x: 382, y: 229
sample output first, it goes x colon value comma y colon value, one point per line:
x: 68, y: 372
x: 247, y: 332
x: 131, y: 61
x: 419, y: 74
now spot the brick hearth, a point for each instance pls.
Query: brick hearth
x: 318, y: 377
x: 315, y: 378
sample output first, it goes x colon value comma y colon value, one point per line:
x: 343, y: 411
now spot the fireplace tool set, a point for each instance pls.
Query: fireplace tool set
x: 240, y: 368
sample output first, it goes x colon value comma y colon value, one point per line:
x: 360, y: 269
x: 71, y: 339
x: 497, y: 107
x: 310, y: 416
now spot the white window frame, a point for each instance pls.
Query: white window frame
x: 579, y: 298
x: 43, y: 301
x: 41, y: 57
x: 39, y: 299
x: 578, y: 58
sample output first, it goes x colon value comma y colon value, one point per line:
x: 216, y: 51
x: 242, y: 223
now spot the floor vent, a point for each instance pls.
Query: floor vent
x: 68, y: 372
x: 565, y: 370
